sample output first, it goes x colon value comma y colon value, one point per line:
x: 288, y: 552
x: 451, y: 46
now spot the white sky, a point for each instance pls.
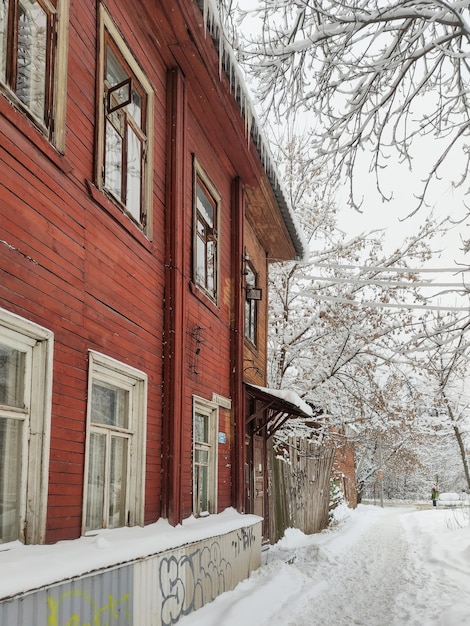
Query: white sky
x: 378, y: 567
x: 444, y: 199
x: 404, y: 184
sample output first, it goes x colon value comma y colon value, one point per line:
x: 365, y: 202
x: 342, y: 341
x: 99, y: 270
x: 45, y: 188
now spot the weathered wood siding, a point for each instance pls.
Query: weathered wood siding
x: 73, y: 262
x: 300, y: 487
x: 78, y: 266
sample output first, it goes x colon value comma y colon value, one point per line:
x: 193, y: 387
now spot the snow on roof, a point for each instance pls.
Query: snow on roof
x: 230, y: 66
x: 290, y: 396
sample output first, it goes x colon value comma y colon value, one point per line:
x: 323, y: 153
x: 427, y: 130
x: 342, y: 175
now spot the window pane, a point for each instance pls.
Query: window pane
x: 250, y: 277
x: 205, y: 207
x: 250, y: 305
x: 250, y: 320
x: 211, y: 250
x: 202, y: 477
x: 117, y: 482
x: 134, y: 174
x: 201, y: 428
x: 113, y: 163
x: 109, y: 405
x: 200, y: 262
x: 10, y: 478
x: 12, y: 363
x: 32, y: 51
x: 96, y: 480
x: 201, y: 456
x: 124, y: 157
x: 115, y: 73
x: 3, y: 38
x: 135, y: 108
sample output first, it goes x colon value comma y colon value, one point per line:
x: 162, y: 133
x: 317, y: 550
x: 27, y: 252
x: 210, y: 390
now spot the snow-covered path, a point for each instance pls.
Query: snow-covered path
x: 379, y: 567
x: 369, y: 575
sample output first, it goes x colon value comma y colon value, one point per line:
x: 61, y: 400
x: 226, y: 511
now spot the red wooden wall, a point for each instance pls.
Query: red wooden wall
x: 71, y: 261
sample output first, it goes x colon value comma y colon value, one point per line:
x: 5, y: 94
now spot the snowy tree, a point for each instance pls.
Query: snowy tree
x: 371, y: 74
x: 442, y: 354
x: 336, y: 320
x: 396, y: 451
x: 411, y: 465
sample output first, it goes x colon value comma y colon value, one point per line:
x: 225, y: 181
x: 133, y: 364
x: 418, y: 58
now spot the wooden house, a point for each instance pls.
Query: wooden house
x: 139, y: 209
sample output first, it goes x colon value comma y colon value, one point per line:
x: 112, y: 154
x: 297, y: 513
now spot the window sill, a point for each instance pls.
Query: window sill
x: 20, y: 122
x: 201, y: 295
x: 249, y: 343
x: 10, y: 545
x: 117, y: 214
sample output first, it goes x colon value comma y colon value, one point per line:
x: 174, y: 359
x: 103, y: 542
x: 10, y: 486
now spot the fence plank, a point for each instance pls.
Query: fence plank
x: 300, y: 487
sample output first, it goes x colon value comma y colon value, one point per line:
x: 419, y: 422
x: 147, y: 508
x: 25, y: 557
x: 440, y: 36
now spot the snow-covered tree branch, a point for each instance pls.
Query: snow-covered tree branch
x: 442, y: 357
x: 361, y: 70
x: 325, y: 339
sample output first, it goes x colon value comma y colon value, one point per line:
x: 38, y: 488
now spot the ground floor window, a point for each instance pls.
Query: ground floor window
x: 114, y: 486
x: 25, y: 409
x: 205, y: 425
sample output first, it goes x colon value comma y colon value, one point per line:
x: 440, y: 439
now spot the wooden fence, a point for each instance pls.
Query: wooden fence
x: 300, y: 487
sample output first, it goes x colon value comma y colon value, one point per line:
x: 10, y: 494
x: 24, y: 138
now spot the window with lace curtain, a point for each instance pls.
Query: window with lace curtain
x: 25, y: 390
x: 33, y: 59
x: 205, y: 424
x: 115, y: 444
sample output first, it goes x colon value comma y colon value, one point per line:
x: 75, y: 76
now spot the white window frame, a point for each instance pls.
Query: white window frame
x: 108, y: 370
x: 108, y: 28
x: 38, y: 345
x: 200, y: 175
x: 54, y: 123
x: 211, y: 410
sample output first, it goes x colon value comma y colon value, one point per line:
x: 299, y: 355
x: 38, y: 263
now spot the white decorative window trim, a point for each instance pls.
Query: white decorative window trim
x: 39, y: 342
x: 107, y: 369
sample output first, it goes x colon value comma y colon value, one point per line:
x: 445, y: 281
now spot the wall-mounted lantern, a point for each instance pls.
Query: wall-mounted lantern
x: 254, y: 293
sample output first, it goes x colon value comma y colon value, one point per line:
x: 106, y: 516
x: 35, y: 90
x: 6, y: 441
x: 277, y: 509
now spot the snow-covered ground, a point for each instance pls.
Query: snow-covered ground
x: 376, y: 567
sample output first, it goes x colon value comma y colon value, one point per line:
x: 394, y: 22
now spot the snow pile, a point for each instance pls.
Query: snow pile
x: 450, y: 498
x: 32, y: 567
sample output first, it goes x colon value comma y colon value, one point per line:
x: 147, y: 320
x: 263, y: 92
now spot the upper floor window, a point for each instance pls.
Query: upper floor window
x: 28, y: 53
x: 125, y: 139
x: 206, y: 215
x: 251, y: 304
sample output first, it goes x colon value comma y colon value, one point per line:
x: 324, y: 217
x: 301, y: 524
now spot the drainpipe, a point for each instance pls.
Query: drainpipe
x: 175, y: 296
x: 237, y: 343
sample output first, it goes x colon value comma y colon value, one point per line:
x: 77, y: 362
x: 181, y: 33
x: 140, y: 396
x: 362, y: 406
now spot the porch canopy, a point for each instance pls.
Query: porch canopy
x: 275, y: 407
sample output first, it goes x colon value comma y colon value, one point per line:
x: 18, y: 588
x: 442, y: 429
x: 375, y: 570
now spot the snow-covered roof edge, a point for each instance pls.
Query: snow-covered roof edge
x: 229, y: 65
x: 288, y: 395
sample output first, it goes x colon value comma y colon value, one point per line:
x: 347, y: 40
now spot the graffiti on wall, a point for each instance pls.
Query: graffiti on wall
x: 243, y: 540
x: 89, y: 613
x: 184, y: 580
x: 192, y: 580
